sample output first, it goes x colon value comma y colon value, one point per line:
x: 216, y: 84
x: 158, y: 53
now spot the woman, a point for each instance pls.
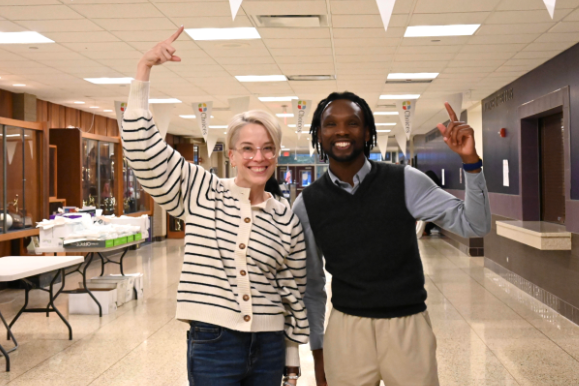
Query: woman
x: 243, y: 275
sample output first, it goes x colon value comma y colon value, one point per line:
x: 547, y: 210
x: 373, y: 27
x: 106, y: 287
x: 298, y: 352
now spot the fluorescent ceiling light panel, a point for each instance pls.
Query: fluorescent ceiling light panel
x: 79, y: 103
x: 108, y: 111
x: 187, y: 116
x: 386, y: 113
x: 218, y: 127
x: 386, y: 124
x: 441, y: 30
x: 293, y: 125
x: 19, y: 85
x: 93, y: 107
x: 261, y: 78
x: 164, y: 100
x: 418, y: 75
x: 277, y: 99
x: 383, y: 131
x: 26, y: 37
x: 242, y: 33
x: 109, y: 80
x: 285, y: 115
x: 400, y: 96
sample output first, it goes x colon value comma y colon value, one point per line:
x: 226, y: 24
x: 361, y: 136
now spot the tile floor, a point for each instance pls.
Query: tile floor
x: 489, y: 332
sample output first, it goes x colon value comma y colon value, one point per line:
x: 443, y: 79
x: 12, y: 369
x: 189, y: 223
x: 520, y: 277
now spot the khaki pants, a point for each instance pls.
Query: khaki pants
x: 362, y: 351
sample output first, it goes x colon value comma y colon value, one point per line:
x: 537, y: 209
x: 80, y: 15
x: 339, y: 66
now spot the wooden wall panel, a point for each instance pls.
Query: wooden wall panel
x: 112, y: 127
x: 6, y: 103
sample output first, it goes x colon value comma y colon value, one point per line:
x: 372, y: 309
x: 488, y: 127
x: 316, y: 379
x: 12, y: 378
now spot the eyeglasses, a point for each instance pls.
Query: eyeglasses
x: 249, y: 152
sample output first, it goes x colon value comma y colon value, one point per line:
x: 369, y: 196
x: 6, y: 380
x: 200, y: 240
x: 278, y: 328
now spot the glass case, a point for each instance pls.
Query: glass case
x: 98, y: 175
x: 21, y: 186
x: 135, y: 199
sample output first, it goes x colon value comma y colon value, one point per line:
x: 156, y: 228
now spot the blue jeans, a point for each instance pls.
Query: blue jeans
x: 217, y: 356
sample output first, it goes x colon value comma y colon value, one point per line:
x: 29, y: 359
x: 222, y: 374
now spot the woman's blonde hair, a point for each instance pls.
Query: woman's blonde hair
x: 259, y: 117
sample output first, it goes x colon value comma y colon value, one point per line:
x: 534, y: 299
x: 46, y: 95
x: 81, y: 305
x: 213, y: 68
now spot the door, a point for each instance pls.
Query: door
x: 552, y: 169
x: 304, y: 176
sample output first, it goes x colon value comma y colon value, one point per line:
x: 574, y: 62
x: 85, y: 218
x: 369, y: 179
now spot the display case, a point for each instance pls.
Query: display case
x: 135, y: 199
x: 89, y: 170
x: 24, y: 182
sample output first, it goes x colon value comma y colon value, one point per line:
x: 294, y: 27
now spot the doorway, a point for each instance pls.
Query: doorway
x: 552, y: 168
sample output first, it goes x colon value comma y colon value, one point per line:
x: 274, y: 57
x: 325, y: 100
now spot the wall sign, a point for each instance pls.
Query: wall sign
x: 498, y: 99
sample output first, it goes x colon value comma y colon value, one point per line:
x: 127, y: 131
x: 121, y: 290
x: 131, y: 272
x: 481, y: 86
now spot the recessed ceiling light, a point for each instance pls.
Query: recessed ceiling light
x: 383, y: 131
x: 108, y: 111
x: 277, y: 99
x: 218, y: 127
x: 261, y: 78
x: 93, y: 107
x: 386, y: 124
x: 293, y: 125
x: 187, y: 116
x: 386, y: 113
x: 225, y: 132
x: 25, y: 37
x: 418, y: 75
x: 400, y: 96
x: 79, y: 103
x: 285, y: 115
x: 441, y: 30
x: 223, y: 33
x: 19, y: 85
x: 109, y: 80
x: 164, y: 100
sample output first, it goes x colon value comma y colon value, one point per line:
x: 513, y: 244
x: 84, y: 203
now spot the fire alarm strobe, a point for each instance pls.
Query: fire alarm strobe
x: 503, y: 132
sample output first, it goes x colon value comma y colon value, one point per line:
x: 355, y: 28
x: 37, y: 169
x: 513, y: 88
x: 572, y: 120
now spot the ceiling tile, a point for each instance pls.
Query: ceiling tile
x: 363, y: 58
x: 488, y: 48
x: 514, y: 17
x: 516, y: 5
x: 443, y: 18
x: 60, y: 25
x: 302, y: 52
x: 424, y: 56
x: 548, y: 46
x: 503, y: 39
x: 85, y: 37
x: 146, y: 36
x: 436, y: 41
x: 136, y: 24
x: 558, y: 37
x: 476, y: 63
x: 364, y: 50
x: 38, y: 12
x: 357, y: 7
x: 448, y: 6
x: 281, y: 7
x: 506, y: 29
x: 213, y: 22
x: 368, y: 42
x: 116, y: 11
x: 311, y: 59
x: 297, y: 43
x: 295, y: 33
x: 536, y: 55
x: 350, y: 33
x: 566, y: 26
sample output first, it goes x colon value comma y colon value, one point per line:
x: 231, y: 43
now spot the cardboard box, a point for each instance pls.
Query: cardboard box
x: 124, y: 284
x: 138, y: 283
x: 80, y: 302
x: 89, y: 244
x: 120, y: 241
x: 54, y: 237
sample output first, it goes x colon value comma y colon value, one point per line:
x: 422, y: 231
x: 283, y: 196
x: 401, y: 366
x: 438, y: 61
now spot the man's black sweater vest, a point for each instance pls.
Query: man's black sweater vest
x: 369, y: 242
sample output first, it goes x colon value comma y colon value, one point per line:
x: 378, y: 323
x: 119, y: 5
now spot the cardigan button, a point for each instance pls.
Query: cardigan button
x: 247, y: 318
x: 242, y: 272
x: 241, y: 246
x: 247, y: 220
x: 246, y: 297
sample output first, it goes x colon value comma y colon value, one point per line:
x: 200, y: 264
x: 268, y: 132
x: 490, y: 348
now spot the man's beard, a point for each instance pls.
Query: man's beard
x: 352, y: 156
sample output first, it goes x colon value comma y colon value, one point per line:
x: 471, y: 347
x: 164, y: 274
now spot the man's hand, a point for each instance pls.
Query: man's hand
x: 459, y: 137
x: 161, y: 53
x: 319, y: 367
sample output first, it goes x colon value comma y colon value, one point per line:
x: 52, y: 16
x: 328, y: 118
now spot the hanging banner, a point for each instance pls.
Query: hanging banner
x: 312, y: 148
x: 382, y: 142
x: 239, y: 105
x: 211, y: 141
x: 162, y: 114
x: 11, y: 147
x: 401, y: 139
x: 455, y: 101
x: 120, y: 108
x: 550, y: 4
x: 385, y: 7
x: 234, y: 5
x: 203, y: 110
x: 406, y: 110
x: 301, y: 108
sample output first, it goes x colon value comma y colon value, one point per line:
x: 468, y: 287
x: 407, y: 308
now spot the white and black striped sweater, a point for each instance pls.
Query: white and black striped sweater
x: 244, y: 266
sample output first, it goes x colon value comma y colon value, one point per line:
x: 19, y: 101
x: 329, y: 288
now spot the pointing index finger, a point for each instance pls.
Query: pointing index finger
x: 451, y: 113
x: 176, y: 35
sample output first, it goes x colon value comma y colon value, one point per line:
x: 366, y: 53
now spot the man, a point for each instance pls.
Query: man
x: 361, y: 216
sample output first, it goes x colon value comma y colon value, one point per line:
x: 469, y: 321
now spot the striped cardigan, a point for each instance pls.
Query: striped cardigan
x: 244, y: 266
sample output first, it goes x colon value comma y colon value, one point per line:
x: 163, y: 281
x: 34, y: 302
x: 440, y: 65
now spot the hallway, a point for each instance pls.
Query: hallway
x: 489, y: 332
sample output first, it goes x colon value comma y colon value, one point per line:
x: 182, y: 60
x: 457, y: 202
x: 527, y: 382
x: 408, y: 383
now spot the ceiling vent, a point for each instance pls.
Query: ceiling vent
x: 408, y: 81
x: 310, y: 77
x: 290, y: 21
